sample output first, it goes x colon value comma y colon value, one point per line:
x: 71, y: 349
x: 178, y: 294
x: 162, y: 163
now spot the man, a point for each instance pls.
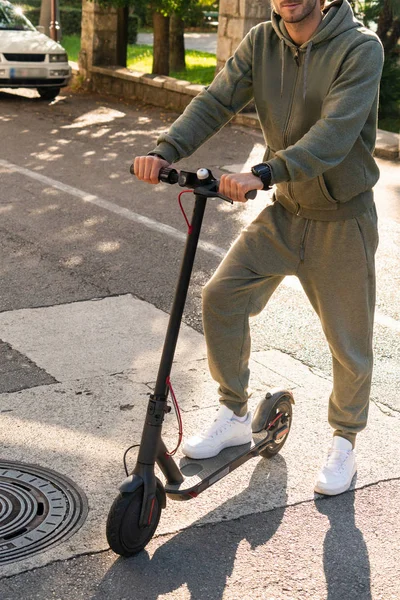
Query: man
x: 314, y: 74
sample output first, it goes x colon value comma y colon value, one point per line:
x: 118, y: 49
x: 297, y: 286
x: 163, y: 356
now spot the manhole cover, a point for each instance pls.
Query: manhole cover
x: 38, y: 509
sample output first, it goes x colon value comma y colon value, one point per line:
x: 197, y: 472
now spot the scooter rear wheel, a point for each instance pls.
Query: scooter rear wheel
x: 283, y: 406
x: 124, y: 535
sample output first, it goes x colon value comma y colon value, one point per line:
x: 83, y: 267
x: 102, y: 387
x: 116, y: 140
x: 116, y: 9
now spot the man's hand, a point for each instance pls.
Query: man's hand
x: 236, y: 185
x: 147, y: 168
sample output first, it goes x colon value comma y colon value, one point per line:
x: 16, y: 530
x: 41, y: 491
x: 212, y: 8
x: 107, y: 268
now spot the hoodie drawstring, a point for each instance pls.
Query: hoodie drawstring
x: 306, y: 62
x: 283, y: 63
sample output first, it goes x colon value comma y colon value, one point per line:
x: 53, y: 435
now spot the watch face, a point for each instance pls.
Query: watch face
x: 260, y: 170
x: 264, y: 173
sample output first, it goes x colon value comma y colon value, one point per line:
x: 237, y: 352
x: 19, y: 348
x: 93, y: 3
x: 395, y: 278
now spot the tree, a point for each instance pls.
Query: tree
x: 384, y: 17
x: 185, y: 11
x: 176, y: 43
x: 168, y: 19
x: 168, y: 27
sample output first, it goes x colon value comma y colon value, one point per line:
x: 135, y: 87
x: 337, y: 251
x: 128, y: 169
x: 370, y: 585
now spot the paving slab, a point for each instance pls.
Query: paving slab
x: 81, y: 426
x: 387, y: 145
x: 97, y: 337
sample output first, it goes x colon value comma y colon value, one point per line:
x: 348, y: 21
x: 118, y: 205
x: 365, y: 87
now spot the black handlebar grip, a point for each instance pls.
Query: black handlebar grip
x: 166, y: 174
x: 251, y: 194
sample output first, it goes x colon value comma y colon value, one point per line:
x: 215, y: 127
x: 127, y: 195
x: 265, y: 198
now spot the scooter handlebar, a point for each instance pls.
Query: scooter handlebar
x: 171, y: 176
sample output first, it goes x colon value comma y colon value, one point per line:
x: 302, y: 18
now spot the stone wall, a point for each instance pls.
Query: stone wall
x: 158, y: 90
x: 236, y: 18
x: 166, y: 92
x: 99, y: 37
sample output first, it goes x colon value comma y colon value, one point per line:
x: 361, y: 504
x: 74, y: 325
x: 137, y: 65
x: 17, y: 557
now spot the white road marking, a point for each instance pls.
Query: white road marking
x: 111, y: 207
x: 291, y: 282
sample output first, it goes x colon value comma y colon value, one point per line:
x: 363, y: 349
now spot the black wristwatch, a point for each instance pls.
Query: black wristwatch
x: 263, y: 171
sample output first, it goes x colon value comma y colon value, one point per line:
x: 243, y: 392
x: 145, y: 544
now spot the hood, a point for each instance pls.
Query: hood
x: 338, y: 18
x: 25, y: 42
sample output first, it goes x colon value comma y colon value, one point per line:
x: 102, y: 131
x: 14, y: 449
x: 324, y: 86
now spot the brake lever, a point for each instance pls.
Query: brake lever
x: 218, y: 195
x: 250, y: 195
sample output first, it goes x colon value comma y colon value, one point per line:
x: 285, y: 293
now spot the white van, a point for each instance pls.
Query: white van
x: 29, y: 58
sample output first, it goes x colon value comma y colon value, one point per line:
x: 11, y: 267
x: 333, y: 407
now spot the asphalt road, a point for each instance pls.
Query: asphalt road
x: 331, y: 549
x: 61, y: 244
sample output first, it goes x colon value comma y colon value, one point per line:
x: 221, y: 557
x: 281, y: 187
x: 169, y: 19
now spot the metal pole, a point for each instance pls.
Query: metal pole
x: 54, y: 25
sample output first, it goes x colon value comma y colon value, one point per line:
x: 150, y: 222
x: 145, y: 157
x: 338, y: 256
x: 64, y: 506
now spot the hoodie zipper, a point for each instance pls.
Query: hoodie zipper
x: 286, y: 130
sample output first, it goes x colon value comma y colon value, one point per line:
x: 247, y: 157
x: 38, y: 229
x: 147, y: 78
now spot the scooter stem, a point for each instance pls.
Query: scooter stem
x: 175, y: 319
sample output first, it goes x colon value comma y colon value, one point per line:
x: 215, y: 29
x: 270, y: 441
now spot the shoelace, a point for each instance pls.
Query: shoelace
x: 217, y: 428
x: 336, y: 459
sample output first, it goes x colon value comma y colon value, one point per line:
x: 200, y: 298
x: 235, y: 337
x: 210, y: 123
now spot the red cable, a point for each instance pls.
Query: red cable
x: 274, y: 421
x: 178, y: 416
x: 190, y: 228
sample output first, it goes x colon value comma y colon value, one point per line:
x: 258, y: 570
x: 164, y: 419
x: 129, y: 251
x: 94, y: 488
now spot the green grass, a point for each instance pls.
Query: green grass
x: 72, y: 44
x: 200, y: 66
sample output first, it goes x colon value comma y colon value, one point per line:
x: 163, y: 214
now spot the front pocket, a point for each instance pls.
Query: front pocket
x: 324, y: 189
x: 309, y: 194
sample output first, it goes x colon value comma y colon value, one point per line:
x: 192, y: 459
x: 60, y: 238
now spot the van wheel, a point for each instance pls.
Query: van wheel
x: 48, y: 93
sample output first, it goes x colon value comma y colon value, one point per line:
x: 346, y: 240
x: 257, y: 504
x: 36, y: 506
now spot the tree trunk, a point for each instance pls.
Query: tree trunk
x: 176, y: 44
x: 122, y: 35
x: 388, y: 28
x: 160, y: 44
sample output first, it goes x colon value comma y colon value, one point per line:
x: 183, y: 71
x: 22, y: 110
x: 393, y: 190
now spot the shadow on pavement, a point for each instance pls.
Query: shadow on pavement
x: 201, y: 558
x: 346, y: 561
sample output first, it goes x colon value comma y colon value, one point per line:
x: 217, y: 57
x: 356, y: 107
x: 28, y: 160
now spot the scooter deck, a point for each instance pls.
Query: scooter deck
x: 201, y: 473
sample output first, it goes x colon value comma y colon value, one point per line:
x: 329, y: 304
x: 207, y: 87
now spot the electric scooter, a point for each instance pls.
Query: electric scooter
x: 135, y: 512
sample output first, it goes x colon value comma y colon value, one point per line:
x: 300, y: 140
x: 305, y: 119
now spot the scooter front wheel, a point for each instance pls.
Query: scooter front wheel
x: 124, y: 535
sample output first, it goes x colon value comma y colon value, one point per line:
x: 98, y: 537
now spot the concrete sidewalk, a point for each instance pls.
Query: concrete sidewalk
x: 104, y: 356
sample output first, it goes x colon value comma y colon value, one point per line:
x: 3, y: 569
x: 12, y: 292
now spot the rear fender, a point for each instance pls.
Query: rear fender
x: 264, y: 408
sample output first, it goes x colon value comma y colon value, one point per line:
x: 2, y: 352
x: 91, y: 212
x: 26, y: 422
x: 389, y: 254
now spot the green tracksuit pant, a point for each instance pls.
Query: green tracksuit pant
x: 334, y: 261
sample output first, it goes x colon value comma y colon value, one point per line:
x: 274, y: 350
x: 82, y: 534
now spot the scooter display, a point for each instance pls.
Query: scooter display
x: 135, y: 512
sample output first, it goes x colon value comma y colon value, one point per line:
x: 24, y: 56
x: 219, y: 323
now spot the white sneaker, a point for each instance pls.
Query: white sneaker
x: 336, y: 475
x: 226, y: 431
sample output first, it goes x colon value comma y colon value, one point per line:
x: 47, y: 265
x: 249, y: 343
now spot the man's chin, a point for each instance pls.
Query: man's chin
x: 292, y: 19
x: 292, y: 16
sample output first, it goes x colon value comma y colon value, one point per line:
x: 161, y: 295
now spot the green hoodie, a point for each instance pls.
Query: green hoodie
x: 317, y: 105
